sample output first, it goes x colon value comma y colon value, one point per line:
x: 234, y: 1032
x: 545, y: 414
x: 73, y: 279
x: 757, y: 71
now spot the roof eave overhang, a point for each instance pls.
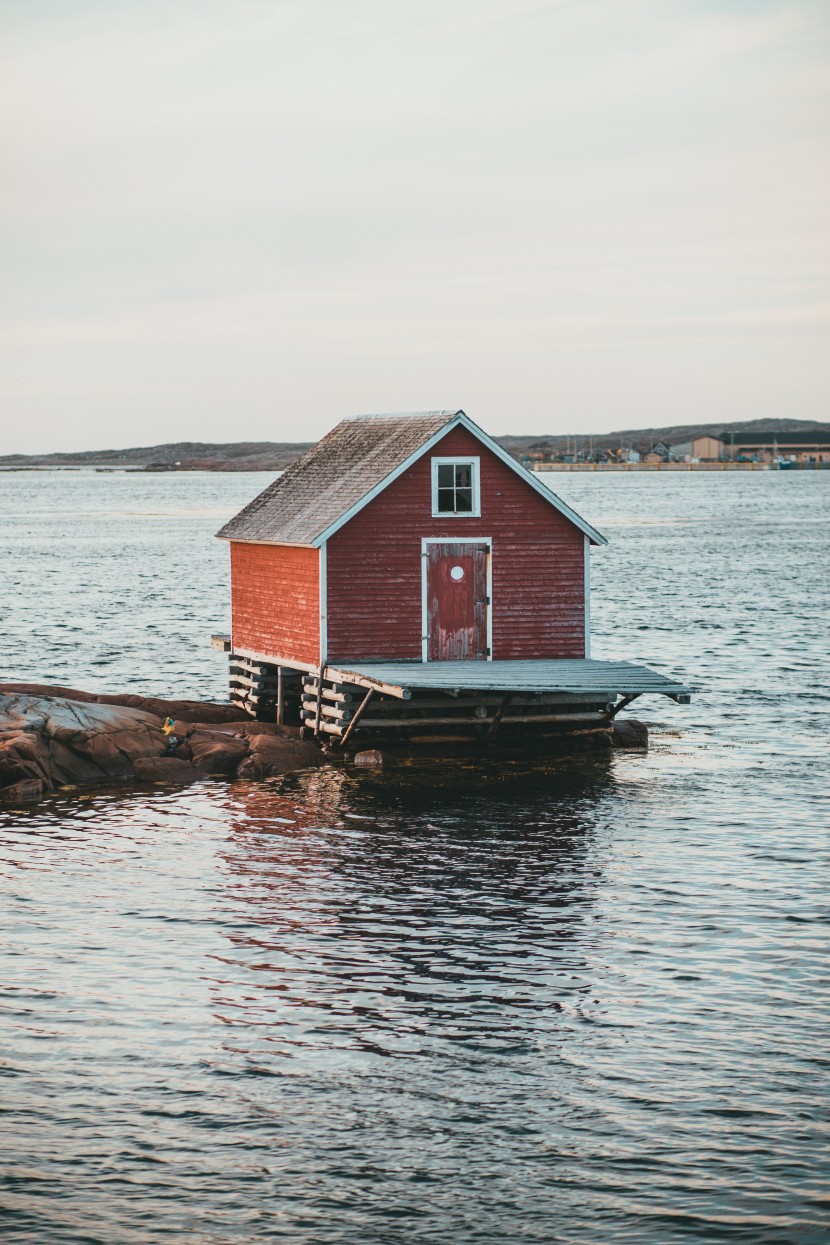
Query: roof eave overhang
x: 264, y: 540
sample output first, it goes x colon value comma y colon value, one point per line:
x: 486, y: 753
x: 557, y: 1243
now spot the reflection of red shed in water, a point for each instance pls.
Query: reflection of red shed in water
x: 408, y: 538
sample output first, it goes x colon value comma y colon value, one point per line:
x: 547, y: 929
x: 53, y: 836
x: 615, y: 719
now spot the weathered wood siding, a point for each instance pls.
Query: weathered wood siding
x: 374, y: 566
x: 275, y: 595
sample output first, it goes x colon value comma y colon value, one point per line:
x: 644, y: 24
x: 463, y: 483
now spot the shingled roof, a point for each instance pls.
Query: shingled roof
x: 348, y: 467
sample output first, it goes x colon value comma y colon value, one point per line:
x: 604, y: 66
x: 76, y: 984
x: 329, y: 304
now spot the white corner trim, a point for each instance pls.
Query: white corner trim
x: 324, y: 606
x: 454, y: 540
x: 462, y: 459
x: 587, y: 589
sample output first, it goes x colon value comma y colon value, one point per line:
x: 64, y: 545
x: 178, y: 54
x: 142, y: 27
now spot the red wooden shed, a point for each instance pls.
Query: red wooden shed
x: 409, y: 537
x: 403, y: 539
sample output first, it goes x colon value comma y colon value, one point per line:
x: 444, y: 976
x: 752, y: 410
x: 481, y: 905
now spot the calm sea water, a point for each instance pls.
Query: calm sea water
x: 476, y: 1005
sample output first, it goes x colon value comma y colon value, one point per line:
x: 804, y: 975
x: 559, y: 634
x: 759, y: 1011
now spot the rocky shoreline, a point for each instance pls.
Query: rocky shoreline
x: 58, y: 737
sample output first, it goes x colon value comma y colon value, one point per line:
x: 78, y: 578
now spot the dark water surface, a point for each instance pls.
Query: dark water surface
x: 587, y: 1004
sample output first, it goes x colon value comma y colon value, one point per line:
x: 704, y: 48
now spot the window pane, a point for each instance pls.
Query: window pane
x: 463, y: 475
x: 445, y: 475
x: 446, y: 501
x: 463, y: 500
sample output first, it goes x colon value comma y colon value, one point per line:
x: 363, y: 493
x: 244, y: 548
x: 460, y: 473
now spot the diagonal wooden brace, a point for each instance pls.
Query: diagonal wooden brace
x: 358, y: 714
x: 621, y: 704
x: 497, y: 717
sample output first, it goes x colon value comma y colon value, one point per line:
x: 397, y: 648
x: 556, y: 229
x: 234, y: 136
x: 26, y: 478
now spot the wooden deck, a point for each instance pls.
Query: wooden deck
x: 601, y: 680
x: 471, y: 699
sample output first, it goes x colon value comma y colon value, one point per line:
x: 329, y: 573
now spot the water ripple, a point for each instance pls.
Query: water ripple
x: 585, y: 1004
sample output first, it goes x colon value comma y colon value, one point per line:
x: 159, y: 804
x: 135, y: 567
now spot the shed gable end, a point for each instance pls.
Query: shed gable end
x: 374, y: 564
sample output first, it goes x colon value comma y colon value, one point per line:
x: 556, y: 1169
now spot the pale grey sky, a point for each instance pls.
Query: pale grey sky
x: 245, y: 219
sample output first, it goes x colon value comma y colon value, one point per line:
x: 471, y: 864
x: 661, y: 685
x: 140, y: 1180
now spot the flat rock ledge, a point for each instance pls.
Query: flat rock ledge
x: 53, y: 737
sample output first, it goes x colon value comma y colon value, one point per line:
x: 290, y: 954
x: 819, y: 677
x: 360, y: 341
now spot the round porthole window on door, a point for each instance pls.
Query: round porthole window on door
x: 457, y: 572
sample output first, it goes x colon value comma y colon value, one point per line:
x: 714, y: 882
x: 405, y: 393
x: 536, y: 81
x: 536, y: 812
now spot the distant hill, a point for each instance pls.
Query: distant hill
x: 276, y: 455
x: 176, y: 456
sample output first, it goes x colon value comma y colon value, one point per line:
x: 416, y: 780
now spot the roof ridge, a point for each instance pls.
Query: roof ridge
x: 349, y: 419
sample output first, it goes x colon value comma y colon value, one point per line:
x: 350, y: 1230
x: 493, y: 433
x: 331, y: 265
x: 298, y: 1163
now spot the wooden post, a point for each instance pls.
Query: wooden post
x: 358, y: 714
x: 280, y: 698
x: 497, y: 717
x: 319, y: 703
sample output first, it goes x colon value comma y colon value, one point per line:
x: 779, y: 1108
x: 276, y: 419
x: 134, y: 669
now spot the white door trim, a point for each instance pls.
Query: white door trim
x: 426, y: 541
x: 324, y: 605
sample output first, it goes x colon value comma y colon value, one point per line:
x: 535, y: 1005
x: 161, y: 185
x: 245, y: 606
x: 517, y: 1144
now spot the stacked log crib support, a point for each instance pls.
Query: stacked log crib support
x: 263, y: 689
x: 479, y: 717
x: 336, y: 711
x: 327, y: 708
x: 253, y: 685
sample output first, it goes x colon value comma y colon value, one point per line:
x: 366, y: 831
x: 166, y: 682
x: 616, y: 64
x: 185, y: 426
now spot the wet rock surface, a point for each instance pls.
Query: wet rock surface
x: 186, y: 710
x: 371, y: 759
x: 217, y: 752
x: 629, y: 733
x: 57, y: 737
x: 166, y: 769
x: 274, y: 753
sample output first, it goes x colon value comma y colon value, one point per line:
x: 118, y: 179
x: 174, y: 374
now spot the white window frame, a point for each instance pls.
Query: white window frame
x: 460, y: 460
x: 426, y: 541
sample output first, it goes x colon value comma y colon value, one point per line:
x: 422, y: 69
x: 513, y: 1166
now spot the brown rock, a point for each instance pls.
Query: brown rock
x: 95, y: 743
x: 63, y: 741
x: 214, y: 728
x: 264, y: 728
x: 186, y: 710
x: 215, y: 752
x: 166, y: 769
x: 629, y: 733
x: 271, y: 755
x: 29, y: 791
x: 24, y: 756
x: 372, y: 759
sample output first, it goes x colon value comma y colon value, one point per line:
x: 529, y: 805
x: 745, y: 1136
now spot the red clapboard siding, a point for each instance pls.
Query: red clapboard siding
x: 275, y: 594
x: 374, y: 566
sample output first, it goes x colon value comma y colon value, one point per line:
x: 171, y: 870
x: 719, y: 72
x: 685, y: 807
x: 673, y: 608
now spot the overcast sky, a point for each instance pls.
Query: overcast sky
x: 244, y: 219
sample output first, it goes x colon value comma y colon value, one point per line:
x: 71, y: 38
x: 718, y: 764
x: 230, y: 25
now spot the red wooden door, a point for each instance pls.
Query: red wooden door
x: 457, y: 601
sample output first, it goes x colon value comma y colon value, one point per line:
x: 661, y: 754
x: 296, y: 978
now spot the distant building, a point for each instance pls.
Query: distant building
x: 659, y: 453
x: 702, y: 449
x: 812, y: 446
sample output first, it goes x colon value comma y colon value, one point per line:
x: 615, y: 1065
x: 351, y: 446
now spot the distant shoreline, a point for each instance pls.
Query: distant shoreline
x: 535, y: 449
x: 539, y: 469
x: 542, y: 468
x: 138, y: 470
